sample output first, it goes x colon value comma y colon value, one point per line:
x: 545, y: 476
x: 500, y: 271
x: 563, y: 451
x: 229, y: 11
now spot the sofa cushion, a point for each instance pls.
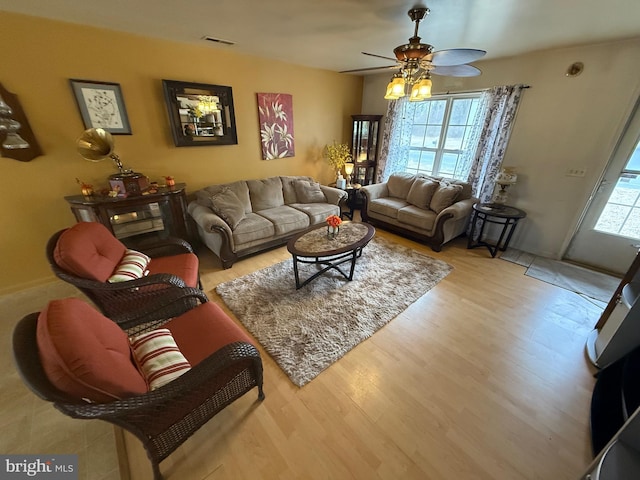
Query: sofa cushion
x: 132, y: 266
x: 86, y: 355
x: 265, y: 194
x: 204, y: 330
x: 466, y: 189
x: 252, y: 228
x: 285, y: 219
x: 158, y: 357
x: 417, y: 217
x: 387, y: 206
x: 240, y: 188
x: 228, y: 207
x: 317, y: 212
x: 421, y: 192
x: 288, y: 187
x: 444, y: 196
x: 309, y: 192
x: 399, y: 184
x: 89, y: 250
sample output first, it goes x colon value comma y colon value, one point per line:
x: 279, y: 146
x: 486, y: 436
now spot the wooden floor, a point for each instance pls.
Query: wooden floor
x: 484, y: 377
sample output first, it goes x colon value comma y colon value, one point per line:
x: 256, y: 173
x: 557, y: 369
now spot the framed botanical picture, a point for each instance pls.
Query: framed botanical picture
x: 101, y: 106
x: 275, y: 113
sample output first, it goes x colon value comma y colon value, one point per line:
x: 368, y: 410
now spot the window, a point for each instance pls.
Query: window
x: 621, y: 215
x: 440, y: 133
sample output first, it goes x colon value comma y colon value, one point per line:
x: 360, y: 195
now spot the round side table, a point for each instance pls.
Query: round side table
x: 497, y: 214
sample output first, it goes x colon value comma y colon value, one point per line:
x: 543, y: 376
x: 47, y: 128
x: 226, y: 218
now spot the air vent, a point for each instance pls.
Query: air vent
x: 218, y: 40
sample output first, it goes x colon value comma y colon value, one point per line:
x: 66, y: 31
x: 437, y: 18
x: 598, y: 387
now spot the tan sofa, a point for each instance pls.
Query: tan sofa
x: 430, y: 209
x: 244, y: 217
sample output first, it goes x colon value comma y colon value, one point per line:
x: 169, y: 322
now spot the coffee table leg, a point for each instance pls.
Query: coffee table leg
x: 295, y: 271
x: 354, y: 257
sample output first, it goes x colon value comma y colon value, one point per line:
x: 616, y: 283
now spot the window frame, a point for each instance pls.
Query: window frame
x: 440, y: 150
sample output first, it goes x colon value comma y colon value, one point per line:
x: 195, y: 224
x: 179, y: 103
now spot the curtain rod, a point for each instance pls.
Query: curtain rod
x: 449, y: 92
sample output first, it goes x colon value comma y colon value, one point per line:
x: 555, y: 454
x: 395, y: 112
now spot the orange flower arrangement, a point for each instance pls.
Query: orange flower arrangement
x: 334, y: 221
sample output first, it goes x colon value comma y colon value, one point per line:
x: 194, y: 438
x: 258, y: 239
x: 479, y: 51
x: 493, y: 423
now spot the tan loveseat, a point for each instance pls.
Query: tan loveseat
x: 431, y: 209
x: 244, y: 217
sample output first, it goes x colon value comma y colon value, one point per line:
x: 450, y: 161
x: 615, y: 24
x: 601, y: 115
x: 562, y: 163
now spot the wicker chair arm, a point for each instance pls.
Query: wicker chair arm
x: 155, y: 279
x: 159, y: 306
x: 233, y: 355
x: 166, y: 247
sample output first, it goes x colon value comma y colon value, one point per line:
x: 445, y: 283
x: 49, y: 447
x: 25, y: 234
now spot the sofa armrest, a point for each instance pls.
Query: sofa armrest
x: 334, y: 195
x: 460, y: 209
x: 208, y: 221
x: 375, y: 190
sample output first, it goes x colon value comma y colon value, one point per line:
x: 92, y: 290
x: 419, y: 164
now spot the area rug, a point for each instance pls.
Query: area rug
x: 593, y: 284
x: 306, y: 330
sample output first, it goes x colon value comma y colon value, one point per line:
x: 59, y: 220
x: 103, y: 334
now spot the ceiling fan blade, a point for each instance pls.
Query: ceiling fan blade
x: 371, y: 69
x: 456, y: 56
x: 379, y: 56
x: 457, y: 71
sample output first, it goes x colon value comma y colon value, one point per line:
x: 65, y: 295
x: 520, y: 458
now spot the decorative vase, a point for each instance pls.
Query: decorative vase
x: 332, y: 232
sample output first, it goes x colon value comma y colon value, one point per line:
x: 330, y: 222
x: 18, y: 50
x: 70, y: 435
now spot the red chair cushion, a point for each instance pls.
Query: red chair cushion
x: 205, y: 330
x: 86, y: 355
x: 184, y: 266
x: 89, y: 250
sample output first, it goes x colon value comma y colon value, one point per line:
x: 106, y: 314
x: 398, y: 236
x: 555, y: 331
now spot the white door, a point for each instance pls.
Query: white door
x: 609, y: 234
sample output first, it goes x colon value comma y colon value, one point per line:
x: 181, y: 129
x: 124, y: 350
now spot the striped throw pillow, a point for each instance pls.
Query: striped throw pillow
x: 158, y: 357
x: 132, y: 266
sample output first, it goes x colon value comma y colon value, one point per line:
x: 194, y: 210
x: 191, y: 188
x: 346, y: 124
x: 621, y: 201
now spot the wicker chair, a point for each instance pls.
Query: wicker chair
x: 122, y: 301
x: 163, y: 418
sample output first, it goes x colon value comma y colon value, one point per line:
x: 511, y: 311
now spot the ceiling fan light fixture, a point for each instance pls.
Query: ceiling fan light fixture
x: 395, y: 88
x: 421, y: 90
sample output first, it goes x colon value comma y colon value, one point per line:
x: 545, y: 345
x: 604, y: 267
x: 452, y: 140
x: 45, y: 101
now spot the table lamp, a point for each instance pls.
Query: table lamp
x: 505, y: 178
x: 348, y: 169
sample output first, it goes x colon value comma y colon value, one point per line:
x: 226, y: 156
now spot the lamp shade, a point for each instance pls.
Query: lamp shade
x: 507, y: 176
x: 348, y: 168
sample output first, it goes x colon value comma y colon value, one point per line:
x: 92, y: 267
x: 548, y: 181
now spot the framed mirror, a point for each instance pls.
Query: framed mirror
x: 200, y: 114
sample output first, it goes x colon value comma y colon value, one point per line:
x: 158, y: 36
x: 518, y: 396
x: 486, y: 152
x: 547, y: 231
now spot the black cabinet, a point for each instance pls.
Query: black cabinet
x: 142, y: 217
x: 364, y: 148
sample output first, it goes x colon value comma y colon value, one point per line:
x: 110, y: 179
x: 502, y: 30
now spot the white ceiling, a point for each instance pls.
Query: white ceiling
x: 330, y: 34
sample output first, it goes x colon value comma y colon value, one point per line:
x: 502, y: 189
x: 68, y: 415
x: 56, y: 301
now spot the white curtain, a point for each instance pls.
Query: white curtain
x: 396, y: 136
x: 499, y: 107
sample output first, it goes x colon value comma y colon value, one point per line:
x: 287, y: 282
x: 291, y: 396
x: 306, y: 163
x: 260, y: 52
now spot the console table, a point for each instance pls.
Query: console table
x: 141, y: 217
x: 497, y: 214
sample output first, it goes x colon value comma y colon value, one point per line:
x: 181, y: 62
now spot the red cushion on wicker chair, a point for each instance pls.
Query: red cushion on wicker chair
x: 89, y: 250
x: 184, y: 266
x: 203, y: 331
x: 86, y: 355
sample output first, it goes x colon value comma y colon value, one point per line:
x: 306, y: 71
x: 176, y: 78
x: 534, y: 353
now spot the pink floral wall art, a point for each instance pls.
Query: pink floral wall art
x: 276, y: 125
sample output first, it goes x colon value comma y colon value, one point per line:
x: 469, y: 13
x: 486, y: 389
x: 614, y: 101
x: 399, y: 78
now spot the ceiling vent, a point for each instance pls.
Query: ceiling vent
x: 218, y: 40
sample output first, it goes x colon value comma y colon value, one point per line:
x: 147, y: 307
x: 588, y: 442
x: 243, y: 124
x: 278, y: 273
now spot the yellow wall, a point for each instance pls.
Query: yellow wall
x: 40, y: 56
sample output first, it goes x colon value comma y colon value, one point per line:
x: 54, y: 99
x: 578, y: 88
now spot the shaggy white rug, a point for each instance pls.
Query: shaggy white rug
x: 307, y: 330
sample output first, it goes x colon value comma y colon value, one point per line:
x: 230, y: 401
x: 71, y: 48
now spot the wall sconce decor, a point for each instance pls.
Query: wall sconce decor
x: 505, y: 178
x: 17, y: 140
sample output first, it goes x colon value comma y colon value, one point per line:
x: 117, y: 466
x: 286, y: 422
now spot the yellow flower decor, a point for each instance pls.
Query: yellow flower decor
x: 334, y: 221
x: 337, y: 155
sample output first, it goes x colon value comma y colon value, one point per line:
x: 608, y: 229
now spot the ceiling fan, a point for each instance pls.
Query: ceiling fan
x: 416, y: 62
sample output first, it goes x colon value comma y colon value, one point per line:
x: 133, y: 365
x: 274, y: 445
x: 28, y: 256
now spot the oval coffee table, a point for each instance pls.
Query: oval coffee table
x: 315, y: 247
